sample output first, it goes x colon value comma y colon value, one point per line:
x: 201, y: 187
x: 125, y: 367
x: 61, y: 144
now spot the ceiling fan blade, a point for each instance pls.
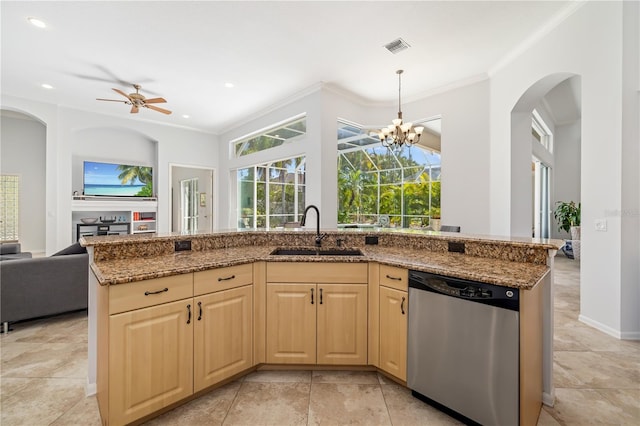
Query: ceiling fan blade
x: 155, y: 101
x: 110, y: 100
x: 155, y: 108
x: 134, y: 109
x: 122, y: 93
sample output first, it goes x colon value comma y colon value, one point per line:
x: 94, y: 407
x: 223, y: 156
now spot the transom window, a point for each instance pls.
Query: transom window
x: 271, y: 137
x: 376, y: 184
x: 541, y: 131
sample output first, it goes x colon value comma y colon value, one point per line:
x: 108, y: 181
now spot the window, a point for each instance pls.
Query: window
x: 189, y: 205
x: 541, y: 132
x: 270, y: 138
x: 271, y: 194
x: 374, y: 181
x: 9, y: 197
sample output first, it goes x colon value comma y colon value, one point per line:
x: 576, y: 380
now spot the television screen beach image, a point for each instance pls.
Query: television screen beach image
x: 117, y: 180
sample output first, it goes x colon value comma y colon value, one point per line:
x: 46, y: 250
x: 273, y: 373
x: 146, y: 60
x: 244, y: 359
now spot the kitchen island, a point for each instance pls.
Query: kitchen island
x: 235, y: 279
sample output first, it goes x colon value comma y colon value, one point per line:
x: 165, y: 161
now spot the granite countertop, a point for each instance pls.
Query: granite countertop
x: 494, y: 271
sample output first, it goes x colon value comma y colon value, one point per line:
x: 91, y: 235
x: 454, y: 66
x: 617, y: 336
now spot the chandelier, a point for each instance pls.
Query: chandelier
x: 399, y: 134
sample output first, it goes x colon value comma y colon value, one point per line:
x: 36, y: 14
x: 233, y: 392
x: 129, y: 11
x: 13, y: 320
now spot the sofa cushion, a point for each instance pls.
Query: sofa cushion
x: 10, y: 248
x: 74, y: 248
x: 14, y: 256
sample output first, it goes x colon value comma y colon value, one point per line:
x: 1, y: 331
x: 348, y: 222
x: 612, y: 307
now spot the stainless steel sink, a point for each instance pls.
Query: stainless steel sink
x: 316, y: 252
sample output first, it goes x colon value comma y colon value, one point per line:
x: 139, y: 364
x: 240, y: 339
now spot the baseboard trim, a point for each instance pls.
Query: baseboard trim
x: 548, y: 399
x: 90, y: 388
x: 622, y: 335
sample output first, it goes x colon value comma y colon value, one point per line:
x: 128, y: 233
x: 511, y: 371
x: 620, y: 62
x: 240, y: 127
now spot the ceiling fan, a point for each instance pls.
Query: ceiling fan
x: 137, y: 101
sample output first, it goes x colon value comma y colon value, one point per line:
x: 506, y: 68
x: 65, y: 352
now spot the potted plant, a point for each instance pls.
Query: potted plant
x: 568, y: 216
x: 434, y: 220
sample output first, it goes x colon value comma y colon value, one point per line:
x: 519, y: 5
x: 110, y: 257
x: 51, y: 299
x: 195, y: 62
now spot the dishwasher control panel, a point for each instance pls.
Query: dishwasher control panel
x: 489, y: 294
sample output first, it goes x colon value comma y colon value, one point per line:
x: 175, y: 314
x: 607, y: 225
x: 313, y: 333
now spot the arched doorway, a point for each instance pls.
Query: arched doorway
x: 555, y: 99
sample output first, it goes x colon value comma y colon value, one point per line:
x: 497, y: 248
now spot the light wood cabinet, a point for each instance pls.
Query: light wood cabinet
x: 150, y: 359
x: 222, y: 335
x: 157, y: 344
x: 393, y: 332
x: 316, y: 313
x: 291, y: 324
x: 342, y: 324
x: 317, y: 324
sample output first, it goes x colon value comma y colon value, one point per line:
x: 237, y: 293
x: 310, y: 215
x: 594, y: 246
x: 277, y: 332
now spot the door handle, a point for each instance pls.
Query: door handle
x: 189, y: 311
x: 402, y: 306
x: 312, y: 296
x: 321, y: 296
x: 226, y: 278
x: 394, y: 278
x: 199, y: 311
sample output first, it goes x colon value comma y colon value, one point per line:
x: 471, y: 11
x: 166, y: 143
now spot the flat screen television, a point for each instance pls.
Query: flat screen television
x: 117, y: 180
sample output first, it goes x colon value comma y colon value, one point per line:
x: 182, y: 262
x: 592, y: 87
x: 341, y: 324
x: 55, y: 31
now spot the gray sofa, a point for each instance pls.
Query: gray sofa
x: 12, y: 251
x: 43, y: 286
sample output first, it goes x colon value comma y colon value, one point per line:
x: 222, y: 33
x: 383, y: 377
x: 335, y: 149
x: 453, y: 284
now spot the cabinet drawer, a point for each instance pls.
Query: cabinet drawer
x: 222, y: 278
x: 127, y: 297
x: 302, y: 272
x: 394, y: 277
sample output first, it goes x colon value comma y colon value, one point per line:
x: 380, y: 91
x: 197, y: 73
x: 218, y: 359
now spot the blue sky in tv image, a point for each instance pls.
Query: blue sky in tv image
x: 105, y: 179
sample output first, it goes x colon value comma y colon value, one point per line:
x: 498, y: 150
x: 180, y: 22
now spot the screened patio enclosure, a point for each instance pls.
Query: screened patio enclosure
x: 382, y: 187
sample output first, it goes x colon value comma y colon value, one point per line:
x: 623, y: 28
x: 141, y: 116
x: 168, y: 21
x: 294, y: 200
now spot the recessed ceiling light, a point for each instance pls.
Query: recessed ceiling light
x: 46, y: 86
x: 36, y: 22
x: 228, y: 85
x: 185, y: 116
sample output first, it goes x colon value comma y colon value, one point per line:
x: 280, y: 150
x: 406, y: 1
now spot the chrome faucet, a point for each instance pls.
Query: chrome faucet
x: 319, y: 236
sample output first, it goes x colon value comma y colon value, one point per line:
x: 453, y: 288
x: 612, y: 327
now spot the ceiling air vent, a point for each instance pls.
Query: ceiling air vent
x: 397, y: 46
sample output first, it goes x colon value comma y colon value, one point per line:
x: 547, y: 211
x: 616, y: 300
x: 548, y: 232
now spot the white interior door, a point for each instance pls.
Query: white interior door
x: 197, y: 204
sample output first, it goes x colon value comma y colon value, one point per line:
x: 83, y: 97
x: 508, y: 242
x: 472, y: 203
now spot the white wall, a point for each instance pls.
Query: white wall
x: 67, y: 129
x: 465, y: 149
x: 465, y: 154
x: 111, y: 145
x: 566, y: 171
x: 22, y: 153
x: 593, y: 31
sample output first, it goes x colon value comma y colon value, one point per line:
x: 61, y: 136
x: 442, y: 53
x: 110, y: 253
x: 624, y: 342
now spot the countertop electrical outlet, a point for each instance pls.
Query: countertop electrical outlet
x: 371, y: 240
x: 183, y: 245
x: 456, y: 247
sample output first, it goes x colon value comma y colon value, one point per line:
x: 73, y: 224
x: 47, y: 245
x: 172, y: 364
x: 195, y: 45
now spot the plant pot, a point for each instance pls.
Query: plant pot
x: 575, y: 233
x: 575, y: 244
x: 435, y: 224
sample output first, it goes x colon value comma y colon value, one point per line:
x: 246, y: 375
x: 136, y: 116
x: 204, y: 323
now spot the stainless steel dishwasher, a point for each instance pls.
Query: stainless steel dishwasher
x: 463, y: 344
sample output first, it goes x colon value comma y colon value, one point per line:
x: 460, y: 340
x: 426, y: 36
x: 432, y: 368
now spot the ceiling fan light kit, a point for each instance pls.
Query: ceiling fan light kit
x: 137, y: 101
x: 399, y: 134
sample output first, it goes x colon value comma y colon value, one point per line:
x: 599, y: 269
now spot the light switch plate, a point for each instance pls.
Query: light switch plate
x: 601, y: 225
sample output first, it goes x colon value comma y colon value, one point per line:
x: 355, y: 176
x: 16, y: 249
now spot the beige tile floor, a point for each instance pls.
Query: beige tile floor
x: 44, y: 364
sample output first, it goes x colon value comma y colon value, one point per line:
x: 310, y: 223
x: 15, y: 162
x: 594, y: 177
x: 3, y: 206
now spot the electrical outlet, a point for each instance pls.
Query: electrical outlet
x: 456, y: 247
x: 601, y: 225
x: 183, y: 245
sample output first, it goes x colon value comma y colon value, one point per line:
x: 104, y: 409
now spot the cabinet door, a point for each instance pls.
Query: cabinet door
x: 222, y: 335
x: 393, y: 332
x: 342, y: 324
x: 291, y: 323
x: 150, y: 359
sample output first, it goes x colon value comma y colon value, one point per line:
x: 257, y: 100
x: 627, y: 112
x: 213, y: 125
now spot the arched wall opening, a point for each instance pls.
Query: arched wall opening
x: 23, y: 151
